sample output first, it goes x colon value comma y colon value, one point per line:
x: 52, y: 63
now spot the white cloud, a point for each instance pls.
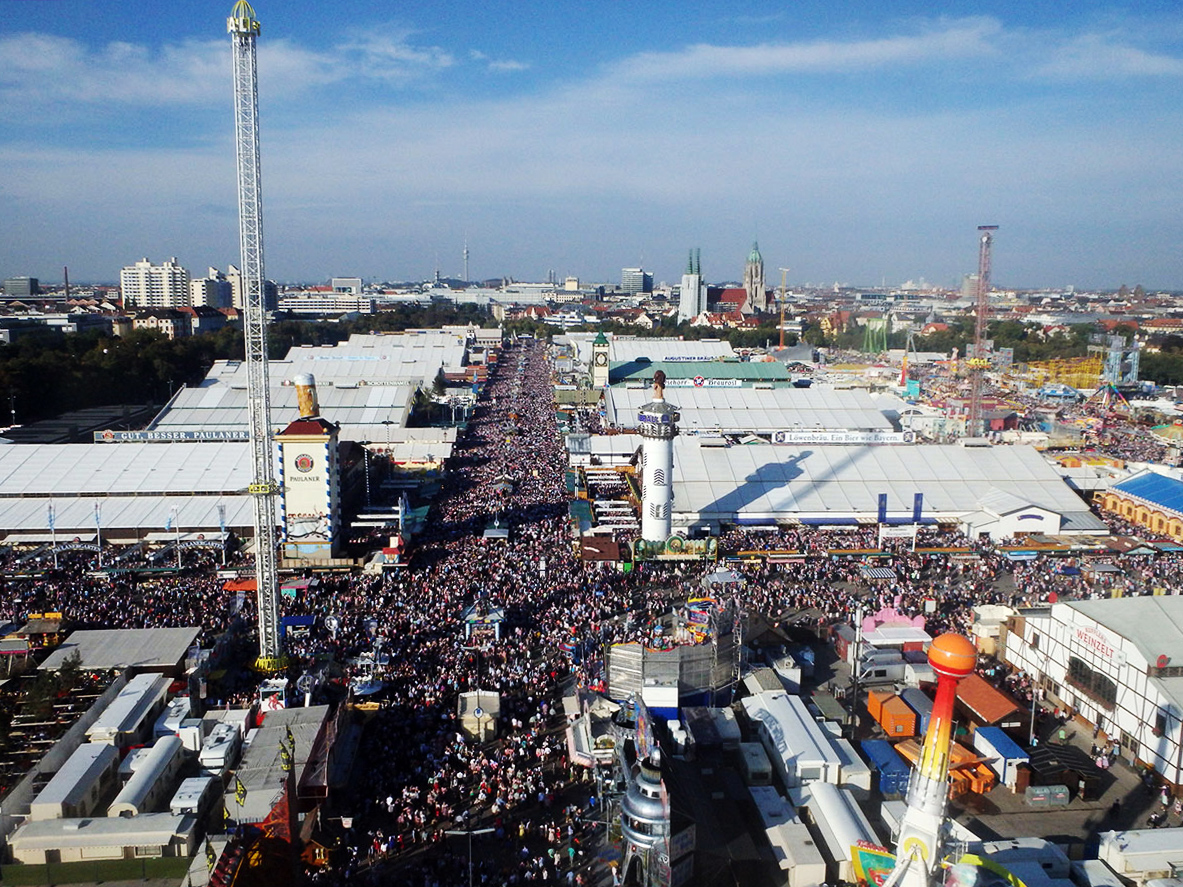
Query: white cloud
x: 1104, y: 57
x: 499, y: 65
x: 941, y: 42
x: 508, y: 65
x: 390, y: 55
x: 41, y: 70
x: 57, y: 76
x: 843, y: 177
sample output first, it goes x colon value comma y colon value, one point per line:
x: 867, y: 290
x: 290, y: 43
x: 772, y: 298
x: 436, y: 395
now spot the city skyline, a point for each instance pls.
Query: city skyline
x: 857, y: 147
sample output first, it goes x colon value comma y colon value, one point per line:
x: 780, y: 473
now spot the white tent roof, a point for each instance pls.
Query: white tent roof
x: 129, y: 468
x: 360, y: 411
x: 784, y: 483
x: 416, y: 451
x: 74, y: 516
x: 140, y: 486
x: 656, y: 349
x: 136, y: 485
x: 737, y: 410
x: 412, y: 358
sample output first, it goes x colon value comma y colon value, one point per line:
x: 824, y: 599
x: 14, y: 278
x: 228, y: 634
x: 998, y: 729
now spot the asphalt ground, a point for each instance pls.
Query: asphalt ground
x: 1003, y: 814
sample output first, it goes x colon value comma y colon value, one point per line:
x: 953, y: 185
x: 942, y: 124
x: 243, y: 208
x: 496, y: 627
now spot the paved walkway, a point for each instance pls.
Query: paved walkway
x: 1003, y: 814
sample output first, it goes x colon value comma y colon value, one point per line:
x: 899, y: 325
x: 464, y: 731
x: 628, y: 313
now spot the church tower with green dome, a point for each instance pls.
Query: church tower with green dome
x: 753, y: 280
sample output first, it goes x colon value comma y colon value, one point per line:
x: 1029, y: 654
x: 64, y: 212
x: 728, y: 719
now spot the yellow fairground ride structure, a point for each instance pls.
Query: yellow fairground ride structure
x: 1079, y: 372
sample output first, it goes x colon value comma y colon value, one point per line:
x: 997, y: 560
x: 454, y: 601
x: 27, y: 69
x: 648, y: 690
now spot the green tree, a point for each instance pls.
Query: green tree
x: 1162, y: 367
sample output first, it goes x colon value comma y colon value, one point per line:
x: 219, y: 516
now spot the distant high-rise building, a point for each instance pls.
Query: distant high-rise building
x: 21, y: 287
x: 238, y: 295
x: 145, y: 285
x: 693, y: 298
x: 635, y: 280
x: 753, y: 280
x: 213, y: 290
x: 351, y: 285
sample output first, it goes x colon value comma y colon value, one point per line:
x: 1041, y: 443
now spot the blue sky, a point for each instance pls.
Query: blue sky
x: 858, y: 142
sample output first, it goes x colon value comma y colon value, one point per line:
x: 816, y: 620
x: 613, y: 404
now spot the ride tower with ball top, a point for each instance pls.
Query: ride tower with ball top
x: 924, y: 827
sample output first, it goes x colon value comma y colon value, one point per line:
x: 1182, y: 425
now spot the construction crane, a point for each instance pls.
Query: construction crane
x: 244, y: 28
x: 978, y: 361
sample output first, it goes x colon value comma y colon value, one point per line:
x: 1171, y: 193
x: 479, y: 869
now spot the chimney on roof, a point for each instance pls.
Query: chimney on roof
x: 306, y: 396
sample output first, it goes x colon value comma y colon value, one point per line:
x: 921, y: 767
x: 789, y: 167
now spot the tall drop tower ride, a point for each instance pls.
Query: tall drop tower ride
x: 244, y: 28
x: 979, y: 362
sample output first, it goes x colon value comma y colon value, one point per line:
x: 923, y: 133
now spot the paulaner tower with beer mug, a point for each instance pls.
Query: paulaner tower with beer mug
x: 310, y: 477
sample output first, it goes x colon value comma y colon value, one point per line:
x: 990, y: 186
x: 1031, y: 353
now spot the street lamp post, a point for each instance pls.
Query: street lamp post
x: 177, y: 540
x: 365, y: 448
x: 470, y: 832
x: 1035, y: 689
x: 387, y: 471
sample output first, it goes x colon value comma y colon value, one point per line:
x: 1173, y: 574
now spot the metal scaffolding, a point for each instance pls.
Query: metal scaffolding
x: 244, y: 28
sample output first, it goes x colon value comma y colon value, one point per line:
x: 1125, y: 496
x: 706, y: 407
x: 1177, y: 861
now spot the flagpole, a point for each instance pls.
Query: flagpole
x: 222, y: 527
x: 53, y: 533
x: 98, y: 526
x: 177, y: 527
x: 239, y: 798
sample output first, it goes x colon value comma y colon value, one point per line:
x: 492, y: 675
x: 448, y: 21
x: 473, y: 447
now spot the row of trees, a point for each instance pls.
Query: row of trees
x: 1164, y: 366
x: 667, y: 327
x: 47, y: 374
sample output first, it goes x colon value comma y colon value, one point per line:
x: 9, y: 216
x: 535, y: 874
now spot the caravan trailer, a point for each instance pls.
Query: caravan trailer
x: 195, y: 796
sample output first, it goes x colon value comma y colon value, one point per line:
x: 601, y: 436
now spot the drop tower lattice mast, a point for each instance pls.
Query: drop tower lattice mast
x: 244, y: 28
x: 978, y: 361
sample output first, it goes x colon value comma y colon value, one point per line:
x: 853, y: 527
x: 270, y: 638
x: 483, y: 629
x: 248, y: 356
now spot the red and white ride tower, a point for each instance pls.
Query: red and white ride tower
x: 923, y: 830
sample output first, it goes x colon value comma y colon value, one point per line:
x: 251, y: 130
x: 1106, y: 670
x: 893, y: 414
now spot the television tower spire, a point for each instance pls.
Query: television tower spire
x: 244, y: 28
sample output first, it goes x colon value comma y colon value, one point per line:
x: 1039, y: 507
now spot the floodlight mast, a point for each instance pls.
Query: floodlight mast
x: 244, y: 28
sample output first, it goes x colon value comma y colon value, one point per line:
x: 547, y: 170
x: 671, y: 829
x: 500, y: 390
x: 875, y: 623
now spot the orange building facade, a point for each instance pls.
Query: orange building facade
x: 1154, y: 517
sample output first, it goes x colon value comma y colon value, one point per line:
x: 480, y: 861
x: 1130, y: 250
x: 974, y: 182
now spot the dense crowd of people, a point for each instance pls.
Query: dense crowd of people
x: 123, y: 600
x: 422, y: 783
